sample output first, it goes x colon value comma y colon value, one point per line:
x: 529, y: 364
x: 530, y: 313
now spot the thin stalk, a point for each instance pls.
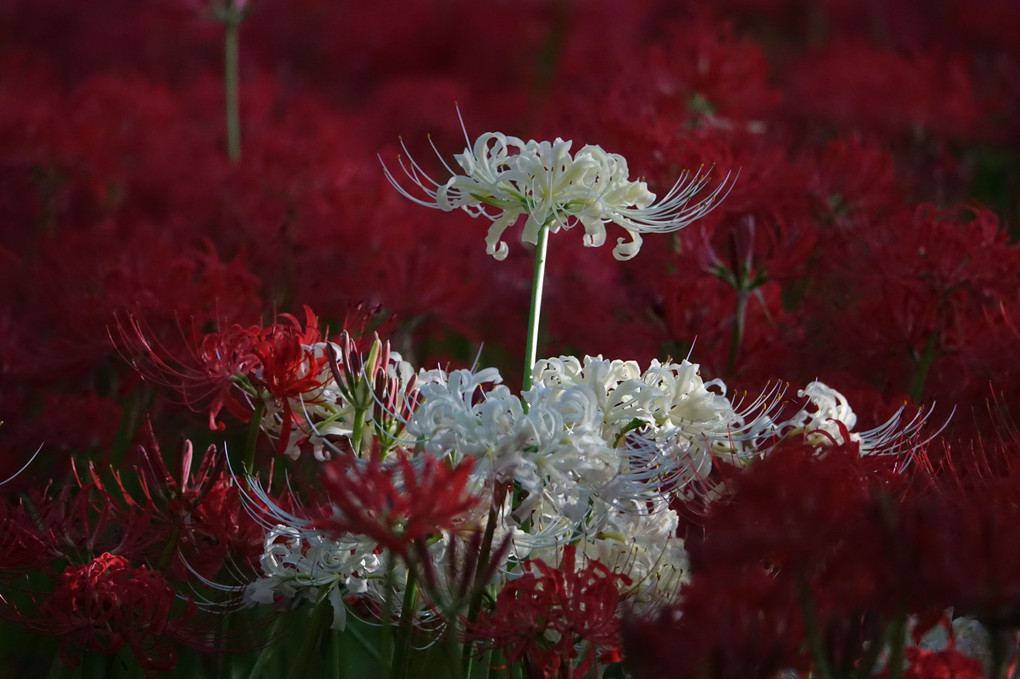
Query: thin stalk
x: 534, y: 315
x: 388, y: 603
x: 921, y: 374
x: 453, y: 650
x: 251, y: 442
x: 231, y: 26
x: 814, y: 638
x: 483, y: 559
x: 897, y: 640
x: 401, y: 652
x: 738, y: 330
x: 358, y: 429
x: 267, y: 653
x: 335, y: 655
x: 311, y: 639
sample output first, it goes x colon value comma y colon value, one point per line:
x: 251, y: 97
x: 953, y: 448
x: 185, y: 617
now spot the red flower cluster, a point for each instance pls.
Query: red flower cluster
x: 812, y: 557
x: 107, y: 604
x: 869, y: 242
x: 561, y: 620
x: 396, y: 502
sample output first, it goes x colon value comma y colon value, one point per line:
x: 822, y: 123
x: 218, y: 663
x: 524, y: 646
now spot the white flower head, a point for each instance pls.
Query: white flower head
x: 504, y: 177
x: 825, y: 415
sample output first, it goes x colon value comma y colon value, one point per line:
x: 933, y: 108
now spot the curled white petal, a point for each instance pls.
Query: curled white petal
x: 504, y: 177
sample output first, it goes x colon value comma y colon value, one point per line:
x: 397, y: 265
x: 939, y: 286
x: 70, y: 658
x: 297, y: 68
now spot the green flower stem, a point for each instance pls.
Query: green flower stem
x: 897, y: 640
x: 127, y: 428
x: 231, y: 26
x: 268, y: 651
x: 251, y: 442
x: 358, y: 429
x: 737, y: 334
x: 334, y: 656
x: 537, y: 283
x: 814, y: 638
x: 485, y: 551
x: 401, y: 652
x: 320, y: 614
x: 923, y: 365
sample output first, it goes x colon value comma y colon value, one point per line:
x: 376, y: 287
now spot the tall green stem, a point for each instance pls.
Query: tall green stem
x: 534, y: 315
x: 313, y: 631
x: 232, y: 24
x: 401, y: 652
x: 737, y: 335
x: 921, y: 371
x: 485, y: 552
x: 252, y: 440
x: 811, y: 629
x: 897, y: 640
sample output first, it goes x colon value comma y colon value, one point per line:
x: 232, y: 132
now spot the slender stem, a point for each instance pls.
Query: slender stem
x: 814, y: 637
x: 268, y: 651
x: 401, y: 652
x: 251, y: 442
x: 897, y: 640
x: 738, y: 330
x: 483, y: 560
x: 537, y: 283
x: 335, y: 655
x: 231, y: 25
x: 388, y: 604
x: 320, y: 614
x: 921, y: 373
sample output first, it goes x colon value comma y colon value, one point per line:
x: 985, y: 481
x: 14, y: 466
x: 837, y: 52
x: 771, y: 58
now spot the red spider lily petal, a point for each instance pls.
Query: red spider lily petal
x: 805, y: 529
x: 25, y: 546
x: 198, y: 517
x: 107, y: 604
x: 215, y: 525
x: 277, y: 358
x: 543, y: 616
x: 203, y: 374
x: 945, y: 664
x: 396, y: 503
x: 288, y: 367
x: 739, y: 626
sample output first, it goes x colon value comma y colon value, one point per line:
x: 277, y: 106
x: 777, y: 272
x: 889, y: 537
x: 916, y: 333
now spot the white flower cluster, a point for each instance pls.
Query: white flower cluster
x: 300, y: 564
x: 506, y: 177
x: 594, y: 450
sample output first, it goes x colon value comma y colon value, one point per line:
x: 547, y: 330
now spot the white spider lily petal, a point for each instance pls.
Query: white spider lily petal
x: 556, y: 190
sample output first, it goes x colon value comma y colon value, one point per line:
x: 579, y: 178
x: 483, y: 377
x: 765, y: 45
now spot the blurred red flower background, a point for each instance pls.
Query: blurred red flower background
x: 870, y: 240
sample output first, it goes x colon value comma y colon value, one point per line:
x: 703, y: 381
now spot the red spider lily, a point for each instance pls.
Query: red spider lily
x: 107, y: 604
x: 276, y: 360
x: 198, y: 516
x: 396, y: 502
x: 801, y: 546
x: 945, y: 664
x: 740, y: 626
x: 956, y: 537
x: 288, y: 367
x: 204, y: 374
x: 24, y: 543
x: 544, y: 617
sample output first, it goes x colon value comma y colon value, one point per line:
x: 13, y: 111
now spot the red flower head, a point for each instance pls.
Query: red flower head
x: 945, y: 664
x: 107, y: 604
x: 544, y: 617
x: 395, y: 503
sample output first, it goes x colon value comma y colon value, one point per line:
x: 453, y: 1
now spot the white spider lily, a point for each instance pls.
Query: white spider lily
x: 827, y: 412
x: 505, y: 177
